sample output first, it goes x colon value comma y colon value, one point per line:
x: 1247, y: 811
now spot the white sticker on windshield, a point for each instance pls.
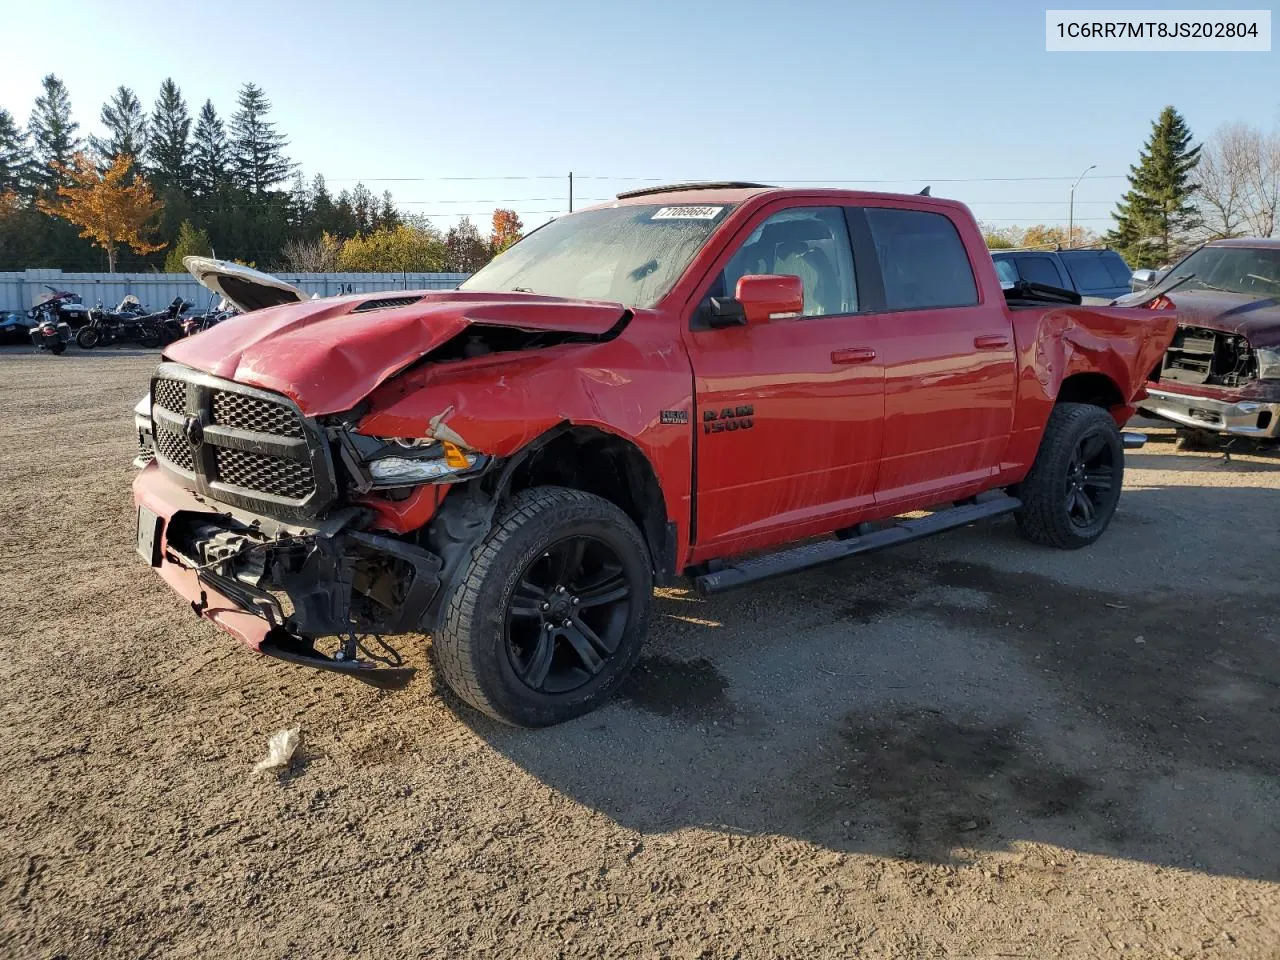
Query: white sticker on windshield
x: 687, y: 213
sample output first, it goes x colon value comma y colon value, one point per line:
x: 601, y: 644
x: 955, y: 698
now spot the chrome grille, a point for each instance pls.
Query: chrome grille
x: 254, y: 471
x: 174, y: 448
x: 252, y: 413
x: 171, y: 394
x: 240, y: 445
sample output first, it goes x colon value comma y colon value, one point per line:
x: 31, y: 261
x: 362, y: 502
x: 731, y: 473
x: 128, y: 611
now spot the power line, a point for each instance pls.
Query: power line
x: 1116, y: 176
x: 509, y: 200
x: 557, y: 176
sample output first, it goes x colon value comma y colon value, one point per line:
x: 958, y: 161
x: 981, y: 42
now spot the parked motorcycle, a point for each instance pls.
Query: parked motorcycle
x: 200, y: 322
x: 51, y: 334
x: 147, y: 330
x: 62, y: 306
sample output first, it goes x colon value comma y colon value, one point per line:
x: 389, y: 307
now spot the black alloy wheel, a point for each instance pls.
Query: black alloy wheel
x: 1090, y: 475
x: 1070, y: 494
x: 567, y: 615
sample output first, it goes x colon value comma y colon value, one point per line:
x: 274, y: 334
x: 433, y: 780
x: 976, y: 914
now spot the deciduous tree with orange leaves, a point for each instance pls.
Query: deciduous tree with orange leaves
x: 506, y: 230
x: 110, y: 208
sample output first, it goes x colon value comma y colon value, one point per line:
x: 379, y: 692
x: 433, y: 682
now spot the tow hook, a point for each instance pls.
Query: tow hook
x: 1132, y: 439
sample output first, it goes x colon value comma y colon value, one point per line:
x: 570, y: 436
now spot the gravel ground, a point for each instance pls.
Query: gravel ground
x: 970, y: 747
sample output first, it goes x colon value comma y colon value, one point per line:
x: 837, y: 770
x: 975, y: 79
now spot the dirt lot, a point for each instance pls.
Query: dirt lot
x: 968, y: 748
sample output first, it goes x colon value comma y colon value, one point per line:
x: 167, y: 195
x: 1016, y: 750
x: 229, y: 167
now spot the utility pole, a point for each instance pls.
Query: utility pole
x: 571, y: 191
x: 1071, y: 207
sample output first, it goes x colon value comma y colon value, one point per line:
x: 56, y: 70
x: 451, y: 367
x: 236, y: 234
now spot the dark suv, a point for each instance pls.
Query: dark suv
x: 1099, y: 276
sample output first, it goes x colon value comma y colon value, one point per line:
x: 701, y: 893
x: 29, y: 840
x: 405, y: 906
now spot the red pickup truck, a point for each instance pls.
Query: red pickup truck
x: 672, y: 384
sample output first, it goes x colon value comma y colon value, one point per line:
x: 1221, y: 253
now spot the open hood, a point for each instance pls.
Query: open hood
x: 243, y: 287
x: 326, y: 355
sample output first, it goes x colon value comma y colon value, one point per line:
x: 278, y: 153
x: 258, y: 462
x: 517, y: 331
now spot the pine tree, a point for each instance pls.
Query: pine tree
x: 190, y: 243
x: 169, y: 149
x: 126, y: 125
x: 1156, y: 212
x: 344, y: 218
x: 388, y: 215
x: 364, y: 206
x: 322, y: 210
x: 53, y: 133
x: 210, y: 153
x: 15, y: 158
x: 257, y: 149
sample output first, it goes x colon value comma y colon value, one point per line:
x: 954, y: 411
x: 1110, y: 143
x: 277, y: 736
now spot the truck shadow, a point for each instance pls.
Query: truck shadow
x: 929, y: 704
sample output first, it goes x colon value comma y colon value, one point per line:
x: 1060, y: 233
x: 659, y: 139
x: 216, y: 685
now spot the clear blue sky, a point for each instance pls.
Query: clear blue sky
x: 826, y: 90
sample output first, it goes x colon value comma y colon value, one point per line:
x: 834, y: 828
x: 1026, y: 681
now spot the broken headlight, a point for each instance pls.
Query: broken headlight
x: 1268, y: 362
x: 399, y: 462
x: 401, y: 471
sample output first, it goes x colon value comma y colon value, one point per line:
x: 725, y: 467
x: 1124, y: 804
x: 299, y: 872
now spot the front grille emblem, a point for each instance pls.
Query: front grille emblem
x: 193, y: 430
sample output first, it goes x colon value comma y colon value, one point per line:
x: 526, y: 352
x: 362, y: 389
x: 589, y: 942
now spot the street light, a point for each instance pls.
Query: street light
x: 1071, y: 205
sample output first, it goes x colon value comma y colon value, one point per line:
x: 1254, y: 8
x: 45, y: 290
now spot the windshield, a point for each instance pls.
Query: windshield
x: 1253, y: 271
x: 632, y: 254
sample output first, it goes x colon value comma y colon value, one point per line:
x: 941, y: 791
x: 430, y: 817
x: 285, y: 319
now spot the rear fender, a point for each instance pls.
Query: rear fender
x: 1122, y: 344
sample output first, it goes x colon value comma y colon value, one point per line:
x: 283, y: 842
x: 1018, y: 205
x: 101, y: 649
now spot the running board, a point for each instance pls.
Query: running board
x: 809, y: 555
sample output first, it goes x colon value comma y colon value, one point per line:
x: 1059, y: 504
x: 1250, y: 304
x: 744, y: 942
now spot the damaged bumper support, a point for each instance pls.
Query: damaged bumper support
x: 1245, y: 418
x: 280, y: 591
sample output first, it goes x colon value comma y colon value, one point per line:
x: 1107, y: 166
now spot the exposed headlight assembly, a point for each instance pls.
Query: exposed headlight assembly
x: 403, y: 463
x: 1268, y: 362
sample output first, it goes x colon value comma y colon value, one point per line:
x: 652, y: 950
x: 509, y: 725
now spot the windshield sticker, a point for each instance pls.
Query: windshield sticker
x: 687, y: 213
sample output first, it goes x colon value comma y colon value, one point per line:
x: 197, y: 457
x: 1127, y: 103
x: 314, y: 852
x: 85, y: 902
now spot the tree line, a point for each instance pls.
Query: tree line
x: 162, y: 184
x: 1181, y: 194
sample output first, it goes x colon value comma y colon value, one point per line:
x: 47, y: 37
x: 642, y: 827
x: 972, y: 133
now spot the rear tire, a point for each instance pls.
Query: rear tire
x: 519, y: 649
x: 1071, y: 492
x: 58, y: 349
x: 87, y: 338
x: 150, y: 340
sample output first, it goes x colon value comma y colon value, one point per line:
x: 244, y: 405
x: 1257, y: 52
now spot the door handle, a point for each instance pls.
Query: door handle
x: 994, y: 341
x: 853, y: 355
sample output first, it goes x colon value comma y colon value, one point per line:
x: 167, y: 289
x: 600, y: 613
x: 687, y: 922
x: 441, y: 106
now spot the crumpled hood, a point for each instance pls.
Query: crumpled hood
x: 1256, y: 319
x: 326, y: 355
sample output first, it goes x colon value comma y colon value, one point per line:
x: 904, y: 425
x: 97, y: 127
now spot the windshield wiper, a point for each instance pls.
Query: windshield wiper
x: 523, y: 290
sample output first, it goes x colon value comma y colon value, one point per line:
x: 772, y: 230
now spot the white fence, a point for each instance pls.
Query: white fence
x: 21, y: 290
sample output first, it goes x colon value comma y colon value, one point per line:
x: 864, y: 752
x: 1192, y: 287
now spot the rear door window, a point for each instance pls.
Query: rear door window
x: 1117, y: 268
x: 1041, y: 269
x: 1006, y: 271
x: 1088, y: 270
x: 922, y: 258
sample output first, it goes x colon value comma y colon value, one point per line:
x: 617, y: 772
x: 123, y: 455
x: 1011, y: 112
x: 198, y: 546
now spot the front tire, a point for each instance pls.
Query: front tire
x: 87, y: 338
x: 1071, y: 492
x: 551, y: 611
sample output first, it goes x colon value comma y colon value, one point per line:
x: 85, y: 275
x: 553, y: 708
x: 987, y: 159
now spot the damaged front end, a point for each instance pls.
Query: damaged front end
x: 268, y: 522
x: 348, y: 585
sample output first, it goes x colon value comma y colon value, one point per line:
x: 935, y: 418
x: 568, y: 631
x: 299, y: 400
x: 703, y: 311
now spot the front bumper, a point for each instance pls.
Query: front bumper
x: 1246, y: 418
x: 279, y: 592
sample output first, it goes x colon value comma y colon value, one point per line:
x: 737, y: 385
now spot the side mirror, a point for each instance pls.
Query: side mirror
x: 766, y: 297
x: 1142, y: 279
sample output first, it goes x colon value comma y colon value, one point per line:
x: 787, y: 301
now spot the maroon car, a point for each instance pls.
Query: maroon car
x: 1222, y: 371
